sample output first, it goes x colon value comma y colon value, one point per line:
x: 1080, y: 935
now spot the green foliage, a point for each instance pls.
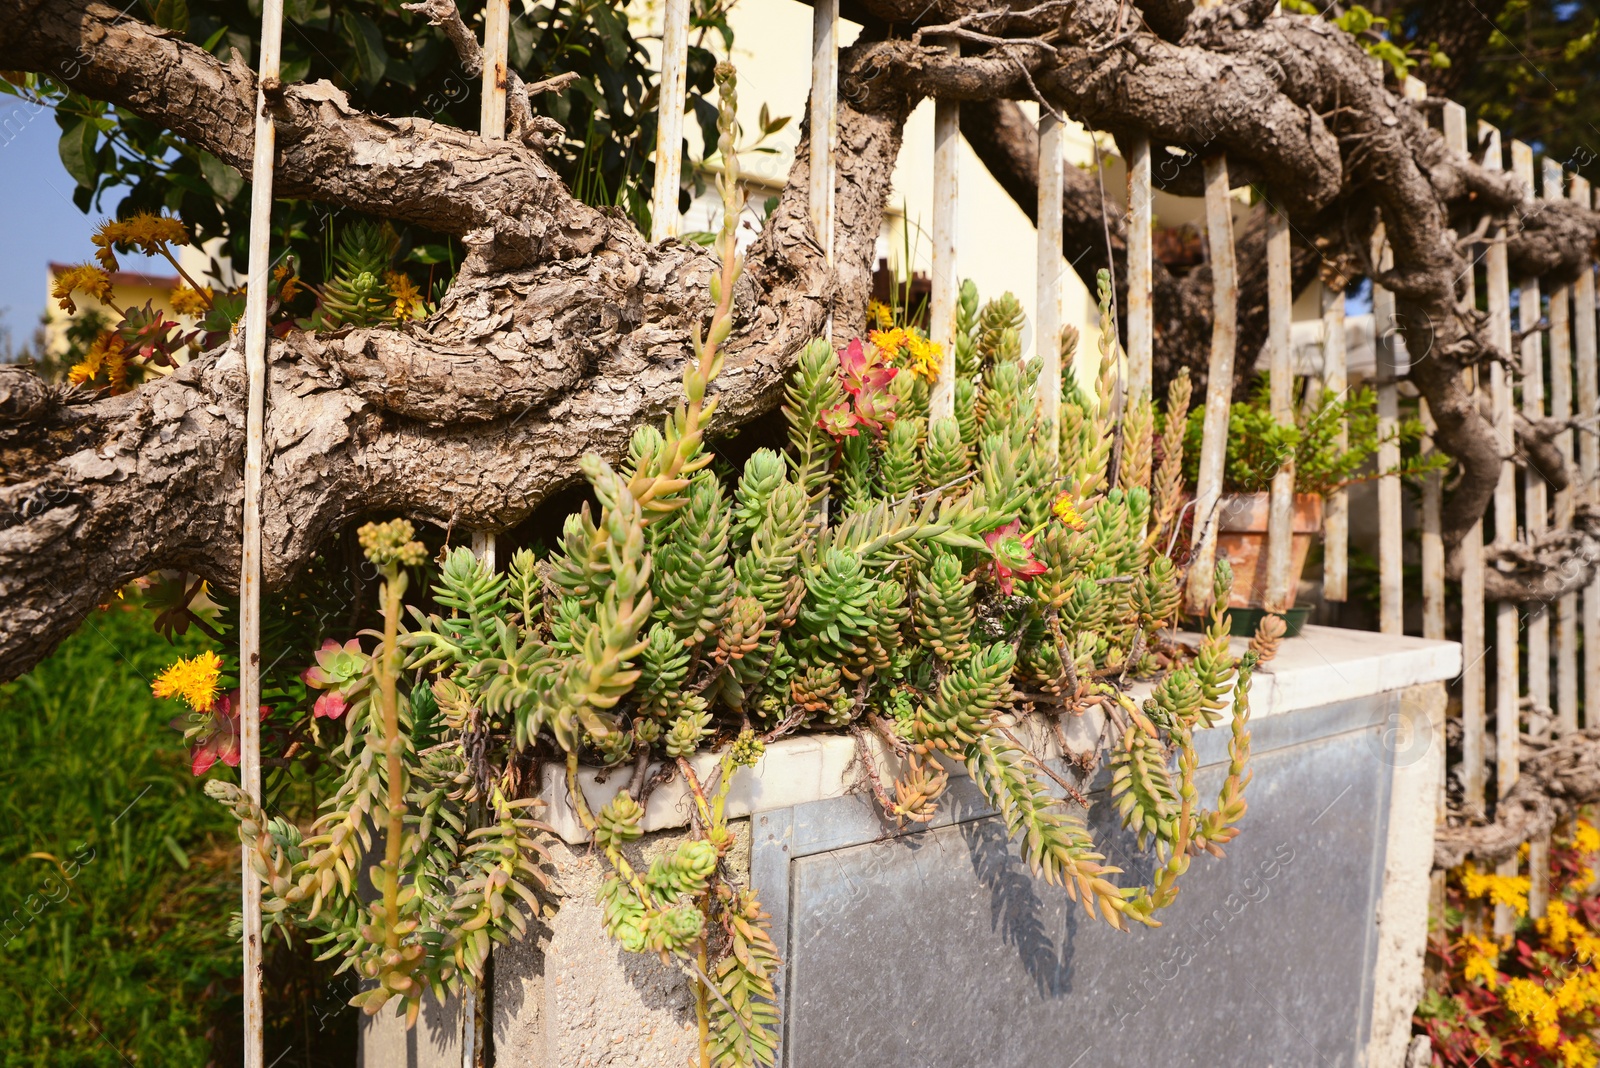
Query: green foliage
x: 1258, y: 445
x: 119, y: 874
x: 358, y: 293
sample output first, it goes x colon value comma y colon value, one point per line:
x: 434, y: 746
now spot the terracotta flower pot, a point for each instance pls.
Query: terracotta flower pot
x: 1242, y: 541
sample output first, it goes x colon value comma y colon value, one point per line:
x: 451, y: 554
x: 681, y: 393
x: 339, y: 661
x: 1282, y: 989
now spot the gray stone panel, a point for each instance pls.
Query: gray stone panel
x: 937, y: 949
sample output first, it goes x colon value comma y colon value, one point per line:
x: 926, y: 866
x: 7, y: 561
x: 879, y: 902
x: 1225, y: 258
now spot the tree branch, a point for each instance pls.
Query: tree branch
x: 475, y: 416
x: 1553, y: 785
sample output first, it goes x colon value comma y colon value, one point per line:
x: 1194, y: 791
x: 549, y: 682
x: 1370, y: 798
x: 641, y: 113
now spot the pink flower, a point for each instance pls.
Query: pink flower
x: 218, y: 737
x: 863, y: 371
x: 839, y: 421
x: 1013, y: 556
x: 331, y: 705
x: 875, y: 409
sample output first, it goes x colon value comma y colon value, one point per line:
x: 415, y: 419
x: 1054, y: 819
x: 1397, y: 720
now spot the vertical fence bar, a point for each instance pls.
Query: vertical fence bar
x: 1507, y: 684
x: 1535, y: 504
x: 1141, y: 318
x: 1219, y: 381
x: 492, y: 125
x: 1336, y: 510
x: 496, y: 40
x: 1047, y: 335
x: 824, y: 118
x: 1280, y: 513
x: 942, y: 301
x: 1431, y: 537
x: 1535, y: 499
x: 1473, y: 712
x: 669, y: 120
x: 1555, y: 188
x: 1583, y: 312
x: 255, y: 362
x: 1391, y: 546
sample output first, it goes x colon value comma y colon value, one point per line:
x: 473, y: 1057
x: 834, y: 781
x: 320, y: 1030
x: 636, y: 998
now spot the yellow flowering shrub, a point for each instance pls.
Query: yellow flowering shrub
x: 1529, y: 999
x: 1508, y: 890
x: 1482, y: 956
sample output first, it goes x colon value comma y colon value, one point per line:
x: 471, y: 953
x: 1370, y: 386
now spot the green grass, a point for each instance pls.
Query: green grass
x: 129, y: 961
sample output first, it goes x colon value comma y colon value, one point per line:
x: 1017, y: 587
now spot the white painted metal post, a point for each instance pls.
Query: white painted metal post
x: 496, y: 44
x: 1391, y: 546
x: 1507, y: 683
x: 255, y: 362
x: 1431, y: 539
x: 824, y: 118
x: 1535, y: 504
x: 1583, y: 312
x: 669, y: 120
x: 1535, y: 500
x: 942, y: 301
x: 1051, y: 268
x: 1280, y: 513
x: 492, y: 124
x: 1555, y: 188
x: 1473, y: 638
x: 1141, y: 318
x: 1336, y: 510
x: 1219, y: 382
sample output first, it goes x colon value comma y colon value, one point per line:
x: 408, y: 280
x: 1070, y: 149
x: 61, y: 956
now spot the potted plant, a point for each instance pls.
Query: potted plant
x: 1258, y: 446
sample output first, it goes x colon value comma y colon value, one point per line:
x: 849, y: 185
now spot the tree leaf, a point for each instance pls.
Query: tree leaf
x: 172, y: 15
x: 366, y: 45
x: 77, y: 149
x: 224, y: 180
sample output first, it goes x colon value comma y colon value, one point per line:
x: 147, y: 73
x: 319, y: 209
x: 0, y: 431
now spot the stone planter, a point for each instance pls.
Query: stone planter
x: 934, y: 947
x: 1242, y: 541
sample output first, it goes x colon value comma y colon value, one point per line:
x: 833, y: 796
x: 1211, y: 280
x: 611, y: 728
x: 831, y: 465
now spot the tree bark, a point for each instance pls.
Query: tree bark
x: 566, y: 328
x: 544, y: 349
x: 1554, y: 784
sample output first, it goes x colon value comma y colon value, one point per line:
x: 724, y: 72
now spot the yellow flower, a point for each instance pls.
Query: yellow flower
x: 407, y: 297
x: 1586, y: 837
x: 85, y: 277
x: 191, y: 302
x: 1580, y: 1052
x: 1535, y: 1007
x: 194, y: 680
x: 1482, y: 956
x: 1508, y: 890
x: 1558, y: 926
x: 288, y: 283
x: 145, y: 231
x: 878, y: 315
x: 927, y: 357
x: 106, y: 354
x: 1066, y: 511
x: 907, y: 348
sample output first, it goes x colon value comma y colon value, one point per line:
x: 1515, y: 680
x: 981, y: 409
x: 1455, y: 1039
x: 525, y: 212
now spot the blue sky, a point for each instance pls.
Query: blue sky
x: 38, y: 221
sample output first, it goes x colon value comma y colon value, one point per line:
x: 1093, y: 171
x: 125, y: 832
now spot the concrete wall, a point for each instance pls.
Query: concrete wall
x: 1304, y: 946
